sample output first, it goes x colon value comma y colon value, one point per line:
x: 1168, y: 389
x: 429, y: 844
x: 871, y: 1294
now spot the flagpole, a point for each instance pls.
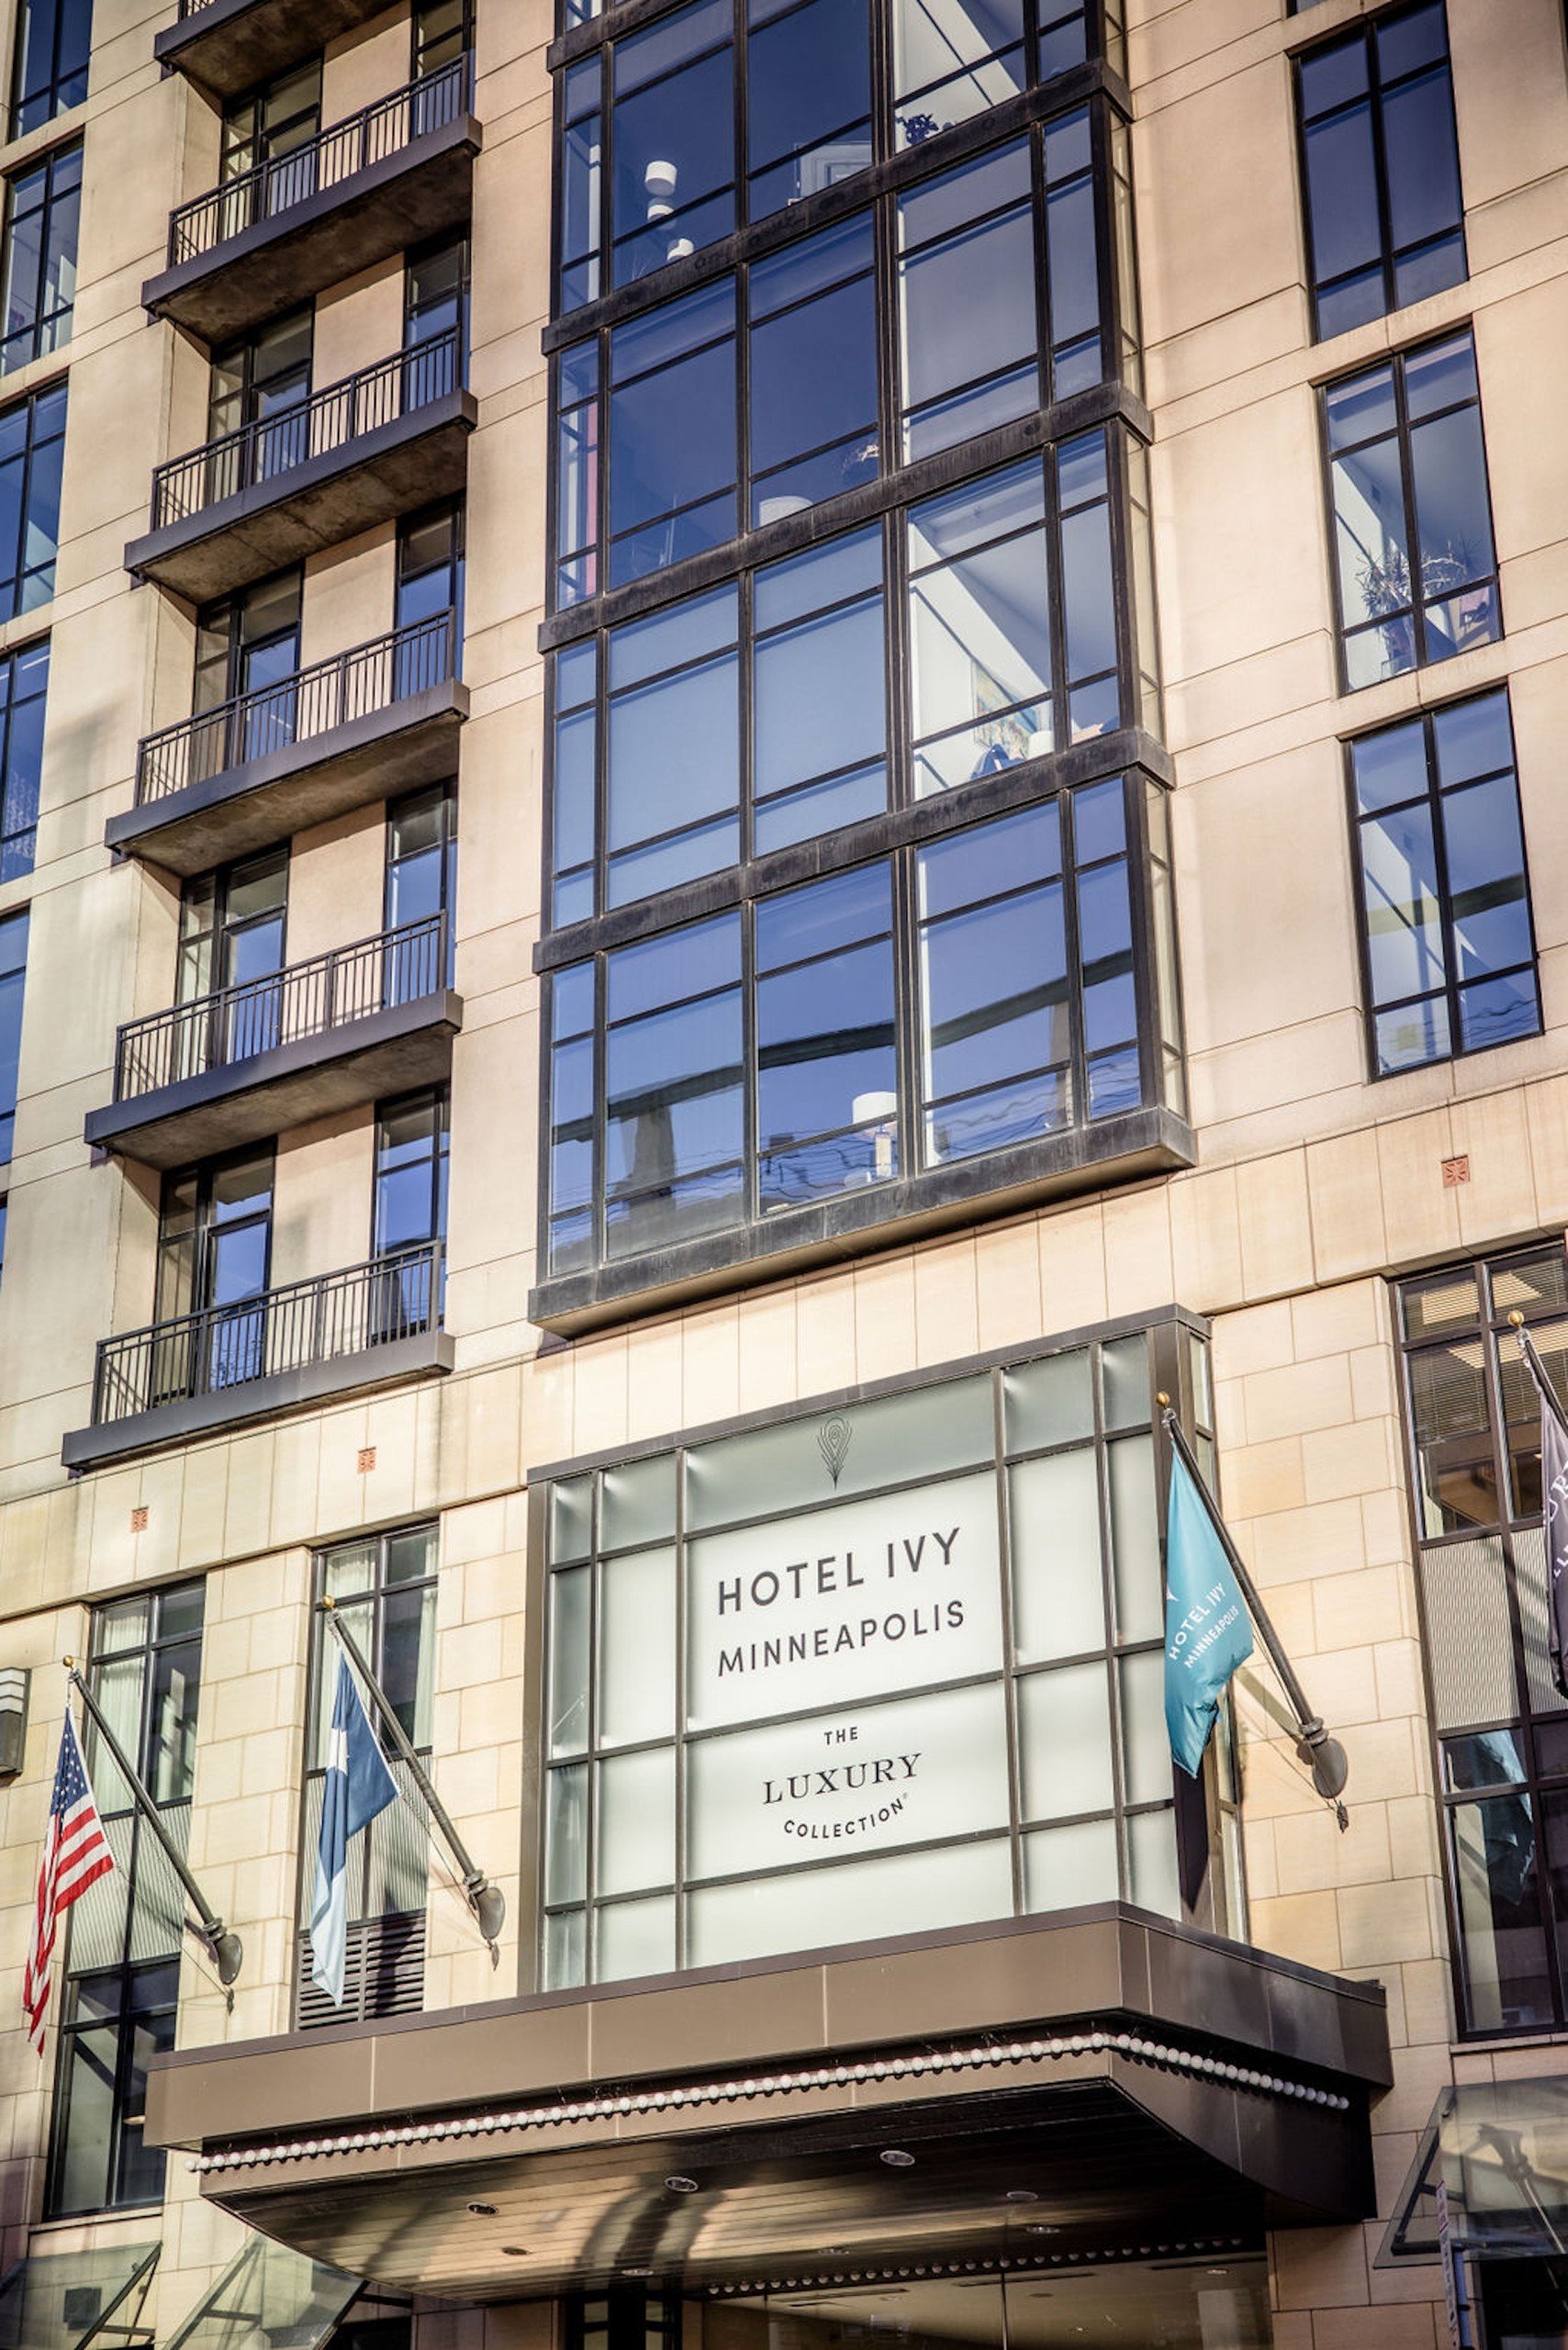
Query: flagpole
x: 1537, y: 1368
x: 227, y: 1951
x: 1323, y: 1755
x: 487, y: 1900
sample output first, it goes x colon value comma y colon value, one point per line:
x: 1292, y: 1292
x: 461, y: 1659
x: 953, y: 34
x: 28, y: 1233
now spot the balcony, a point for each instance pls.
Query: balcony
x: 368, y: 1325
x: 359, y: 728
x: 322, y: 1036
x: 383, y: 441
x: 226, y: 47
x: 383, y: 179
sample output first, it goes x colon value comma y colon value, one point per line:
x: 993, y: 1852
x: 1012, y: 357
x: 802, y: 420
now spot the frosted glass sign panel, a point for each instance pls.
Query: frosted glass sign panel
x: 883, y: 1665
x: 894, y: 1593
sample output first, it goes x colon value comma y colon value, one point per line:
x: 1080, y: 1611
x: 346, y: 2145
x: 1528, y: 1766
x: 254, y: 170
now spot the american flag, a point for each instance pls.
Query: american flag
x: 76, y: 1854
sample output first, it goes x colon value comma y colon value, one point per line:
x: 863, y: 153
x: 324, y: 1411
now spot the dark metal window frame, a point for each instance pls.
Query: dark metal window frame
x: 1208, y: 1850
x: 323, y: 1669
x: 1489, y: 1328
x: 1370, y: 1009
x: 129, y: 1971
x: 1105, y: 32
x: 18, y: 839
x: 1396, y: 361
x: 876, y: 194
x: 906, y: 814
x: 63, y: 89
x: 14, y: 935
x: 1365, y: 31
x: 898, y: 841
x: 438, y: 1099
x: 49, y: 329
x: 14, y: 587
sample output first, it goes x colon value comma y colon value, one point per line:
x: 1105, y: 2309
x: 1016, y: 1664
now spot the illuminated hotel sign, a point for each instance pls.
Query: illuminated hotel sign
x: 860, y: 1673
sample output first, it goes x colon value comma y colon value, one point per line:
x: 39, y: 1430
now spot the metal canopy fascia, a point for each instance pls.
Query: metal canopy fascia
x: 1226, y: 2089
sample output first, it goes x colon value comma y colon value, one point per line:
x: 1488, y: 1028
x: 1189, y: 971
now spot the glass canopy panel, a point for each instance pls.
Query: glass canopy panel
x: 64, y: 2301
x: 269, y: 2299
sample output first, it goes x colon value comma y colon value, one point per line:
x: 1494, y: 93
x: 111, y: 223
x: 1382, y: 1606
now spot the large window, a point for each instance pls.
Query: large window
x: 384, y: 1588
x: 1501, y: 1724
x: 973, y: 259
x: 1416, y: 568
x: 661, y: 154
x: 54, y: 39
x: 43, y: 212
x: 1000, y: 595
x: 32, y: 447
x: 122, y: 1971
x: 771, y: 1058
x: 13, y: 979
x: 1448, y: 941
x: 1386, y: 220
x: 819, y: 1683
x: 24, y: 687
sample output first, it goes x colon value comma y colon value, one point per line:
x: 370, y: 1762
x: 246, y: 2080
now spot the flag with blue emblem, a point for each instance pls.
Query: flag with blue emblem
x: 357, y: 1786
x: 1207, y: 1633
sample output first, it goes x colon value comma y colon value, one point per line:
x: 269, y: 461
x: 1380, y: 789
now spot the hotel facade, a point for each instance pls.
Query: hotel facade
x: 762, y: 766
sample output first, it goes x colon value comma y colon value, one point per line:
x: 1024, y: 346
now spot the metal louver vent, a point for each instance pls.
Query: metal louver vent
x: 384, y: 1973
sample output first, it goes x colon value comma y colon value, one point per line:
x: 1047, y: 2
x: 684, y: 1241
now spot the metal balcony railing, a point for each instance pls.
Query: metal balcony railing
x: 329, y: 419
x: 367, y: 678
x: 311, y: 998
x: 325, y: 162
x: 288, y: 1330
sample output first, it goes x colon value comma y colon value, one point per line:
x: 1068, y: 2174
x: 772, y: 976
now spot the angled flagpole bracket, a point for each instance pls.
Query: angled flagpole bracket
x: 224, y: 1947
x: 1320, y: 1754
x: 484, y: 1898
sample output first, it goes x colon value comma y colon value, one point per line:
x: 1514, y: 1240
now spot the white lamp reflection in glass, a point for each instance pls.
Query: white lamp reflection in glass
x: 877, y: 1116
x: 659, y: 179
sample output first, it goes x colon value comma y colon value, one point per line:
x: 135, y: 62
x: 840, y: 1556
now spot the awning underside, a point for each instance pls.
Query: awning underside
x: 1080, y: 2171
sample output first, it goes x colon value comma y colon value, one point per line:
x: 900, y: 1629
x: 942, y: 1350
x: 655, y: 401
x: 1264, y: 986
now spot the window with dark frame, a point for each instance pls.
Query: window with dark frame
x: 1415, y: 562
x: 32, y: 449
x: 1380, y: 163
x: 43, y: 213
x: 722, y: 1072
x: 384, y: 1587
x: 662, y: 154
x: 122, y: 1965
x: 1448, y: 941
x: 1500, y: 1724
x: 1090, y: 1816
x: 13, y: 981
x: 999, y: 596
x: 53, y: 40
x: 24, y: 691
x: 661, y: 423
x: 409, y: 1213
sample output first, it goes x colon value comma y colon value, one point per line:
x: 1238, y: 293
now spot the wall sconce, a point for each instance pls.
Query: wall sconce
x: 15, y: 1682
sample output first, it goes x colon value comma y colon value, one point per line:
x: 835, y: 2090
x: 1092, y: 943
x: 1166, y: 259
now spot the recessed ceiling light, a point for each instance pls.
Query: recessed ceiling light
x: 1035, y: 2228
x: 896, y: 2158
x: 636, y: 2272
x: 680, y: 2186
x: 483, y: 2210
x: 1020, y: 2195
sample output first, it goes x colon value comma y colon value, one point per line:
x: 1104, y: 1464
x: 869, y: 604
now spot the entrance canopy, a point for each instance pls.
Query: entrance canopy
x: 1099, y: 2086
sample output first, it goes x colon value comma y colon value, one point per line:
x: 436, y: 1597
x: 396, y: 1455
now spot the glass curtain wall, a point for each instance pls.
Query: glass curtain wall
x: 858, y: 523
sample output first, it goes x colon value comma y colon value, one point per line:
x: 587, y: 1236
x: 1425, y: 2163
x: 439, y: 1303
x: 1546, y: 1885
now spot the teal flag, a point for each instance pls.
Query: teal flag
x: 1206, y: 1631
